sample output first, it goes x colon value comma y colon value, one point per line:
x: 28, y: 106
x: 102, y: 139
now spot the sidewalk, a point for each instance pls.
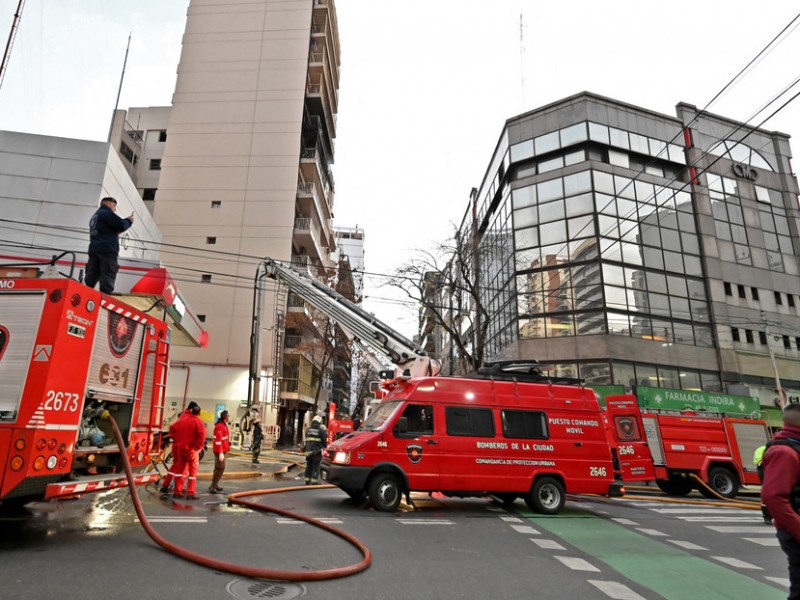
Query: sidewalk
x: 240, y: 466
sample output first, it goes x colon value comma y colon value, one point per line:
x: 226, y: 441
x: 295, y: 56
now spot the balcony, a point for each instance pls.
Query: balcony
x: 315, y: 165
x: 309, y: 203
x: 307, y: 235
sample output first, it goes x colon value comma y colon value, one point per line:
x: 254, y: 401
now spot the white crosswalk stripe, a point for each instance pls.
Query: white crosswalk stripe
x: 721, y: 519
x: 769, y: 541
x: 686, y: 545
x: 702, y: 510
x: 653, y: 532
x: 577, y: 564
x: 425, y: 522
x: 616, y: 590
x: 525, y: 529
x: 784, y: 581
x: 625, y: 522
x: 735, y: 529
x: 547, y: 544
x: 288, y: 521
x: 177, y: 519
x: 735, y: 562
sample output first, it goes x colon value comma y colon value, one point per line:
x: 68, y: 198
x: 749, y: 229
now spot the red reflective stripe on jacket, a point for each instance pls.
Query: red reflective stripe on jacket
x: 222, y: 441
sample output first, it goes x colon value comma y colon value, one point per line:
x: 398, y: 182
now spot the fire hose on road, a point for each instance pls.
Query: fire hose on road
x: 245, y: 571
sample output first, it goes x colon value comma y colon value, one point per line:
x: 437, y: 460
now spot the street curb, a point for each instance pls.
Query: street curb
x: 233, y: 475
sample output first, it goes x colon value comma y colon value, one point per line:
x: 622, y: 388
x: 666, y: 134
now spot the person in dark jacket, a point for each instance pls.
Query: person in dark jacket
x: 780, y: 494
x: 104, y: 229
x: 258, y: 440
x: 316, y: 440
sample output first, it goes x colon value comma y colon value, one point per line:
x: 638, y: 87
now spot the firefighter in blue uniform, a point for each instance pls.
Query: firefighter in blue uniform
x: 316, y: 440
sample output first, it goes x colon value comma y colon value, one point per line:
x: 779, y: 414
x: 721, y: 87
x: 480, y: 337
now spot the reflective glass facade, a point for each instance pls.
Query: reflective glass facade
x: 616, y: 226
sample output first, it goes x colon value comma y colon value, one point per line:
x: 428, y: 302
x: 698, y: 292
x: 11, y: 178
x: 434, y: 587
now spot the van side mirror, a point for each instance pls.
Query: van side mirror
x: 402, y: 425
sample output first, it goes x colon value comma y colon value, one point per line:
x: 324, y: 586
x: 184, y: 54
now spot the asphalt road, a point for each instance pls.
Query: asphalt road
x: 441, y: 548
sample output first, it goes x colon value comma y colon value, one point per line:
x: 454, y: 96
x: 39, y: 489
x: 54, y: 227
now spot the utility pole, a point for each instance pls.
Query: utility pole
x: 778, y: 388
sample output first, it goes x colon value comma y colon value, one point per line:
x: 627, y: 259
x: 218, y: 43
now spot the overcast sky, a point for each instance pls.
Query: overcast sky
x: 426, y: 86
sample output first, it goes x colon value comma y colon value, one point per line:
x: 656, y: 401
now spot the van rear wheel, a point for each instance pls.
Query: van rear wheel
x: 547, y: 496
x: 385, y: 492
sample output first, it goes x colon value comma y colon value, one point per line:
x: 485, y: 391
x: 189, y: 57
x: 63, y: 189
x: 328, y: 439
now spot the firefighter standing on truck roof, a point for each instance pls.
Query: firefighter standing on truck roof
x: 316, y: 440
x: 188, y: 437
x: 104, y: 230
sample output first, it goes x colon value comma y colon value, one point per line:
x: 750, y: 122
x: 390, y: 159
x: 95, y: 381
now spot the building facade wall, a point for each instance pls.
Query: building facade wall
x: 617, y: 240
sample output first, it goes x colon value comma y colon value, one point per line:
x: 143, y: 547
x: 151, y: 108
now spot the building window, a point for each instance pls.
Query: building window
x: 162, y: 135
x: 787, y: 342
x: 778, y: 299
x: 211, y: 240
x: 754, y: 293
x: 127, y: 153
x: 797, y: 343
x: 762, y: 338
x: 790, y: 298
x: 149, y: 194
x: 728, y: 290
x: 740, y: 289
x: 735, y: 334
x: 201, y: 318
x: 155, y: 164
x: 747, y: 333
x: 216, y: 204
x: 205, y: 278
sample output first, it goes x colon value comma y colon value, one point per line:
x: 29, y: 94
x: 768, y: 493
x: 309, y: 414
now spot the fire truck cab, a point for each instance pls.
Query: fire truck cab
x: 475, y: 437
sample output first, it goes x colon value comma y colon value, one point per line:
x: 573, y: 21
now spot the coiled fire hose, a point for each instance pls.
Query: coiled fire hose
x: 253, y: 572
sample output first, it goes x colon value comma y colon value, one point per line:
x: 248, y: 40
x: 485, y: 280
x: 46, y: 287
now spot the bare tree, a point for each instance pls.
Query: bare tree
x: 446, y: 283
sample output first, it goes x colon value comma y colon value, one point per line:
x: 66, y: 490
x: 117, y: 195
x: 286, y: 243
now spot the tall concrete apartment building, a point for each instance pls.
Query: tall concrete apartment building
x: 632, y: 248
x: 240, y: 170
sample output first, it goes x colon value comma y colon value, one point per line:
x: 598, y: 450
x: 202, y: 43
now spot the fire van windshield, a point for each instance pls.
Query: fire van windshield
x: 377, y: 419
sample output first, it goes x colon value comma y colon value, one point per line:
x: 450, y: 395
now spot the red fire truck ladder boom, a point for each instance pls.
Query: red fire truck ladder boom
x: 358, y: 323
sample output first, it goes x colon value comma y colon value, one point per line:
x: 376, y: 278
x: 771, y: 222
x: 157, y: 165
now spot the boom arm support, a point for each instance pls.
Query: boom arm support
x: 409, y: 359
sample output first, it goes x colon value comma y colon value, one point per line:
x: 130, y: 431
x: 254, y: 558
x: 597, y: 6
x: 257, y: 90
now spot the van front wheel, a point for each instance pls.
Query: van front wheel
x: 385, y: 492
x: 547, y: 496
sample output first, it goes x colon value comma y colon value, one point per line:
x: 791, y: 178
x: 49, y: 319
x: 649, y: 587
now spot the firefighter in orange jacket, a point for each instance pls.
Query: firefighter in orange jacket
x: 222, y: 444
x: 188, y: 438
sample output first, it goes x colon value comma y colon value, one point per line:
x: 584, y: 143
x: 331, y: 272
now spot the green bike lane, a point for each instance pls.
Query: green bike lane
x: 654, y: 564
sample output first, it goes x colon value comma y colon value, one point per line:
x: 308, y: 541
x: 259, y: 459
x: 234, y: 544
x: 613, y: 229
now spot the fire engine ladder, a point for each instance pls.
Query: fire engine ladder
x: 158, y: 399
x: 279, y: 330
x: 356, y: 322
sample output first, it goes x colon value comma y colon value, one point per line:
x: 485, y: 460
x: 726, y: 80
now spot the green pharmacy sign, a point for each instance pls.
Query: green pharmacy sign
x: 699, y: 401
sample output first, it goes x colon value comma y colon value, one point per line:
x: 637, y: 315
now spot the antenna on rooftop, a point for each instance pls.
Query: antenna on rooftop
x: 12, y: 34
x: 119, y: 91
x: 522, y: 59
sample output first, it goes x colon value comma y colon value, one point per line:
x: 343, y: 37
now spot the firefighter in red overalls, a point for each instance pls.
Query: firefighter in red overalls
x: 188, y: 438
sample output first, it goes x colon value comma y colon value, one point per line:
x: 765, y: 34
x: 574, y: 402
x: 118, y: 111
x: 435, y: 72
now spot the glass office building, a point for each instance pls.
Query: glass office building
x: 628, y: 247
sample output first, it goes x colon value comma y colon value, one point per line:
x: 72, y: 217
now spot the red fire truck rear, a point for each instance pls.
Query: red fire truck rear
x: 715, y: 448
x: 69, y: 357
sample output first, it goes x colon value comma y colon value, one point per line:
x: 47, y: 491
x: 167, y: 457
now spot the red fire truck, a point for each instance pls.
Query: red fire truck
x: 717, y: 449
x: 69, y: 357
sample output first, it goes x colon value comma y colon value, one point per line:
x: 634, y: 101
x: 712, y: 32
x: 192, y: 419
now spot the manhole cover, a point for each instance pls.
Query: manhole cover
x: 247, y: 589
